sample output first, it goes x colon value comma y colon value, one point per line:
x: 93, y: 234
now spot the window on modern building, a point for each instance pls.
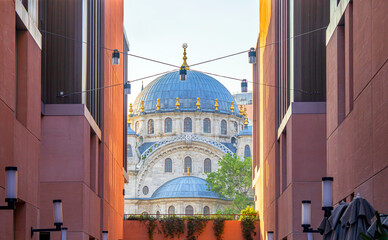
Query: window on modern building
x: 168, y: 125
x: 188, y: 125
x: 150, y: 126
x: 206, y: 210
x: 137, y: 127
x: 235, y: 126
x: 247, y: 151
x: 129, y: 150
x: 208, y: 165
x: 223, y: 127
x: 171, y: 210
x: 206, y: 125
x: 189, y: 210
x: 168, y: 165
x: 145, y: 190
x: 187, y: 164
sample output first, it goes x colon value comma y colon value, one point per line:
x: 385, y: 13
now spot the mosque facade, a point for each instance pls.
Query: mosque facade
x: 177, y: 133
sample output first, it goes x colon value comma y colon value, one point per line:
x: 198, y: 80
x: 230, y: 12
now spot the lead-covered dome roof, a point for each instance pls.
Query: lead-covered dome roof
x: 168, y: 87
x: 185, y: 187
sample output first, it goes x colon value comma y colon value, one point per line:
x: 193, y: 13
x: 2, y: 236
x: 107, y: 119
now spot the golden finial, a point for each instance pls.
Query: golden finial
x: 184, y: 57
x: 158, y: 105
x: 241, y: 110
x: 188, y: 171
x: 142, y: 106
x: 130, y: 109
x: 129, y: 120
x: 246, y: 121
x: 231, y: 106
x: 198, y: 104
x: 216, y: 104
x: 245, y: 116
x: 177, y: 104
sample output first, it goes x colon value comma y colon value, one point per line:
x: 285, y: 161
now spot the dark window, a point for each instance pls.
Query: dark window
x: 168, y: 165
x: 171, y: 210
x: 247, y: 151
x: 150, y: 126
x: 157, y: 214
x: 167, y: 125
x: 223, y: 127
x: 187, y: 164
x: 129, y: 150
x: 189, y: 210
x: 208, y: 165
x: 145, y: 190
x: 144, y: 213
x: 206, y: 125
x: 235, y: 126
x: 206, y: 210
x: 188, y: 125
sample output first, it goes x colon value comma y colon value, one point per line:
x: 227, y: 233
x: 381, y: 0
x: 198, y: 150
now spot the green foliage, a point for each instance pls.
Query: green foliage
x: 248, y: 218
x: 151, y: 225
x: 219, y: 226
x: 195, y: 226
x: 233, y: 180
x: 172, y: 226
x: 380, y: 233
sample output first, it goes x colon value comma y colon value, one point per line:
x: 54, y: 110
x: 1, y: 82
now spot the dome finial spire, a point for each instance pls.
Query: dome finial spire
x: 184, y: 57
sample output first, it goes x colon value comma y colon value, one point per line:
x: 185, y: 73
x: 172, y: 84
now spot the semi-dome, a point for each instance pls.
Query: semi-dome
x: 197, y: 85
x: 185, y: 187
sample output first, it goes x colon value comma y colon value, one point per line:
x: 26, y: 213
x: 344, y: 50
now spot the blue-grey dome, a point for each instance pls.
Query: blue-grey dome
x: 185, y: 187
x: 130, y: 130
x: 168, y: 87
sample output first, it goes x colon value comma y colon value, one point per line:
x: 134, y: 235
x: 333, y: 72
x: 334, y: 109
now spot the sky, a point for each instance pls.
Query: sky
x: 212, y: 28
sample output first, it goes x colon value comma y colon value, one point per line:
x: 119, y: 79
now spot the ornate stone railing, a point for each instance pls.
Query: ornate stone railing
x: 188, y: 139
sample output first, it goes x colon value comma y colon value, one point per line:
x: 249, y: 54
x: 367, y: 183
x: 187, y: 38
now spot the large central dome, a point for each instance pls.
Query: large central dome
x: 197, y: 85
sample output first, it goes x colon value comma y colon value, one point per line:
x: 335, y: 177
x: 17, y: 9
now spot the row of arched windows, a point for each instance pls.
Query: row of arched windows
x: 207, y: 165
x: 187, y: 126
x: 189, y: 210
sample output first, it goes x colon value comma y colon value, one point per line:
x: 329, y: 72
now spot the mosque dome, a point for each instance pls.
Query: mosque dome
x: 197, y: 85
x: 185, y: 187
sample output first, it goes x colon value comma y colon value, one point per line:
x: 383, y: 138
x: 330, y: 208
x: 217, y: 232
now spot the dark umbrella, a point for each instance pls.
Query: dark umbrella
x: 338, y: 231
x: 384, y: 222
x: 357, y: 218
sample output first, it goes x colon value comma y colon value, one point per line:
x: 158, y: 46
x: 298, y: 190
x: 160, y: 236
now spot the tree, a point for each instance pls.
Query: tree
x: 233, y: 181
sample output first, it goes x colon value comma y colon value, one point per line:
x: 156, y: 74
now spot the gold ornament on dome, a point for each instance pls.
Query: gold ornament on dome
x: 231, y: 106
x: 130, y: 109
x: 241, y: 110
x: 216, y: 104
x: 177, y: 104
x: 158, y: 105
x: 198, y: 104
x: 142, y: 106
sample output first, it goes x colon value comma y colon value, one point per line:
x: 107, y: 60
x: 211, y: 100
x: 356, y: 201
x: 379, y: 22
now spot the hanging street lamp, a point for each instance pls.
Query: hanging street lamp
x: 252, y: 56
x: 115, y: 57
x: 11, y: 194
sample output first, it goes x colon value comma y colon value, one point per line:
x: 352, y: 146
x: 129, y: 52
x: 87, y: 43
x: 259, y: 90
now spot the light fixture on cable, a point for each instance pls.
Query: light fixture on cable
x: 252, y: 56
x: 115, y: 57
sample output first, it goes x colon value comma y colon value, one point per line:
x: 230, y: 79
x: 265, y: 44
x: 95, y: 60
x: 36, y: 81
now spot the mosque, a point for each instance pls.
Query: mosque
x: 177, y: 132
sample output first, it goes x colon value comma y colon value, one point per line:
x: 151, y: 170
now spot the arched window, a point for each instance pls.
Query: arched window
x: 233, y: 140
x: 150, y: 126
x: 137, y: 127
x: 208, y: 165
x: 189, y: 210
x: 223, y: 127
x: 144, y: 213
x: 129, y: 150
x: 187, y: 164
x: 206, y: 125
x: 168, y: 165
x: 145, y: 190
x: 171, y: 210
x: 247, y: 151
x: 167, y: 125
x: 157, y: 214
x: 187, y: 125
x: 206, y: 210
x: 235, y: 126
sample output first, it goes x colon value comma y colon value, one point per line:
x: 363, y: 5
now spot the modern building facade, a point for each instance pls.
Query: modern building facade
x: 357, y: 101
x: 61, y: 130
x: 289, y: 114
x: 179, y: 131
